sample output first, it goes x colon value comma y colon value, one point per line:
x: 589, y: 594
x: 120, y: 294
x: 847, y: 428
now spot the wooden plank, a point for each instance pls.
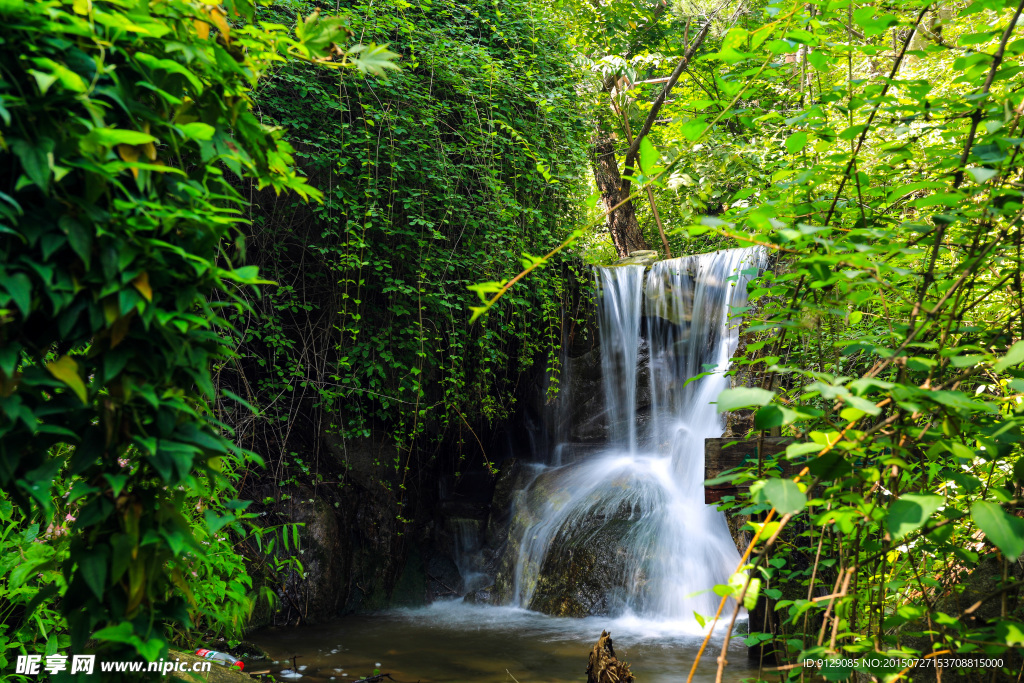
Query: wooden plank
x: 725, y: 454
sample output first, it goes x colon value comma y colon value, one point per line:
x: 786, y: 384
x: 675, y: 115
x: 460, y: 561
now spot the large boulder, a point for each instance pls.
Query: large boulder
x: 587, y: 569
x: 321, y: 555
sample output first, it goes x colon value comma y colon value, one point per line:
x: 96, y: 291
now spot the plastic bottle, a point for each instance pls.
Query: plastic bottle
x: 221, y: 658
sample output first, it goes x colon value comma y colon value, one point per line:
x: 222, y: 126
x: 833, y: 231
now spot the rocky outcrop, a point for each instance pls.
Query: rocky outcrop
x: 355, y: 551
x: 587, y: 569
x: 583, y: 413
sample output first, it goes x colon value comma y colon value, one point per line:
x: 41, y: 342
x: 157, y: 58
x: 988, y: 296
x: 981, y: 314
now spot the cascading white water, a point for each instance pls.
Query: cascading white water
x: 618, y: 318
x: 640, y: 501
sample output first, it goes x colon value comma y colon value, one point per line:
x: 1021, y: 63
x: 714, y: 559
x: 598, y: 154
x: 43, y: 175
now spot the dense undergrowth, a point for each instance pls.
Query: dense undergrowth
x: 159, y: 158
x: 123, y: 127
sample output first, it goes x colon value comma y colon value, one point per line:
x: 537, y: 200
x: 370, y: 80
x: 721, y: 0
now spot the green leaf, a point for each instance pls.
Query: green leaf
x: 784, y: 495
x: 648, y: 156
x: 19, y: 286
x: 723, y: 590
x: 56, y: 72
x: 982, y: 175
x: 836, y: 670
x: 1005, y: 531
x: 1013, y: 357
x: 197, y: 130
x: 743, y: 397
x: 124, y: 632
x: 796, y: 449
x: 796, y: 142
x: 910, y: 512
x: 819, y: 61
x: 693, y: 129
x: 171, y: 66
x: 701, y: 619
x: 118, y: 136
x: 829, y: 466
x: 737, y: 582
x: 1010, y: 632
x: 374, y: 59
x: 36, y: 159
x: 66, y: 370
x: 117, y: 482
x: 93, y: 568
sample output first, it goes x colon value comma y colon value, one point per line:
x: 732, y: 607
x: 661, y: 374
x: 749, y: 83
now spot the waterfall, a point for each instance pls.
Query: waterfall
x: 626, y: 530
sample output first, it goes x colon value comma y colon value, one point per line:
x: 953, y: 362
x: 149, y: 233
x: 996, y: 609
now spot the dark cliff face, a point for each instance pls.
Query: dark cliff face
x: 374, y: 535
x: 352, y: 544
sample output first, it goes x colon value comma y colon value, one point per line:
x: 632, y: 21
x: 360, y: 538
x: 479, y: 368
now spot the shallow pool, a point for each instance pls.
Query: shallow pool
x: 452, y: 642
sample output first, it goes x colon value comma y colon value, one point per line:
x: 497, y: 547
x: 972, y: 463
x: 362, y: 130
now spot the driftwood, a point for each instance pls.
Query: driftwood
x: 604, y: 667
x: 374, y: 679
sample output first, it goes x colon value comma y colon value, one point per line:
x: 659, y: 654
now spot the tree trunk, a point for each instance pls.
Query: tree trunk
x: 622, y: 223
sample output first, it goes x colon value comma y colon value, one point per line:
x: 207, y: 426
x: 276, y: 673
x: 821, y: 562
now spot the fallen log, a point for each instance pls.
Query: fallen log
x: 604, y: 667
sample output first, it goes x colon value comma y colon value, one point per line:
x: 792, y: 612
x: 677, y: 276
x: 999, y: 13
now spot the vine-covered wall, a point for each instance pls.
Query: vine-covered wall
x: 362, y: 362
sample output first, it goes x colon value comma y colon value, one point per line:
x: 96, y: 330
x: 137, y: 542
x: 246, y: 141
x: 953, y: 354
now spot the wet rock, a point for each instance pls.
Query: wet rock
x: 505, y: 553
x: 496, y: 560
x: 584, y: 394
x: 357, y: 554
x: 586, y: 411
x: 483, y: 596
x: 587, y: 570
x: 640, y: 257
x: 511, y: 478
x: 411, y: 588
x: 321, y: 557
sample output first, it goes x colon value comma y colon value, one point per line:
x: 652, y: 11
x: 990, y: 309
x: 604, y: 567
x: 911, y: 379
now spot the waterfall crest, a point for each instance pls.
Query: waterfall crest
x: 625, y: 530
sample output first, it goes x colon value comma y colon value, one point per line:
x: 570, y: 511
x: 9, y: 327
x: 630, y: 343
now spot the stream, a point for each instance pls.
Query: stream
x: 453, y: 642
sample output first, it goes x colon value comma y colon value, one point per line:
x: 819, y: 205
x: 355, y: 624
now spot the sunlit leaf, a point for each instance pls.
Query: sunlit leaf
x: 910, y: 512
x: 784, y: 495
x: 743, y: 397
x: 66, y: 370
x: 1004, y: 531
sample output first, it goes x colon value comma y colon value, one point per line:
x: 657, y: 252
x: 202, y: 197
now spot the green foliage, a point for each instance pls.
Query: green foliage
x: 888, y: 336
x: 124, y: 127
x: 31, y: 584
x: 451, y: 172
